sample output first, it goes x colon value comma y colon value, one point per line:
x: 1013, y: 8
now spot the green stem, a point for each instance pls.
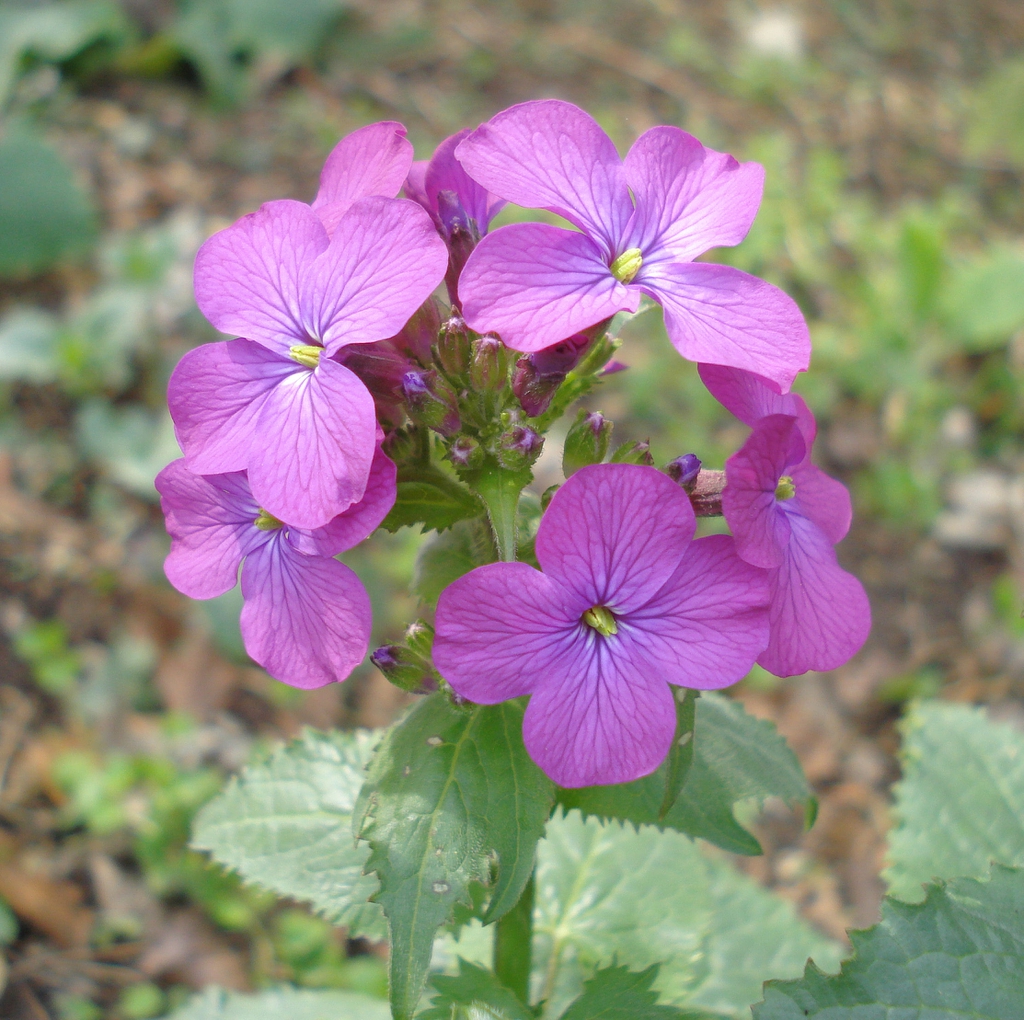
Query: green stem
x: 512, y: 942
x: 500, y: 490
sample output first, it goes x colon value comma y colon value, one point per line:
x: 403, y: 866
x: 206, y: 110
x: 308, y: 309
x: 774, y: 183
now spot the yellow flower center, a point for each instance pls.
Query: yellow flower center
x: 267, y: 522
x: 306, y: 354
x: 627, y: 265
x: 601, y: 619
x: 786, y: 489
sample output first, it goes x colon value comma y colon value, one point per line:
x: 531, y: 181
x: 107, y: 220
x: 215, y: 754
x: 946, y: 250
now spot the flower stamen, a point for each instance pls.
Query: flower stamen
x: 786, y: 489
x: 267, y: 522
x: 625, y: 266
x: 601, y: 619
x: 306, y: 354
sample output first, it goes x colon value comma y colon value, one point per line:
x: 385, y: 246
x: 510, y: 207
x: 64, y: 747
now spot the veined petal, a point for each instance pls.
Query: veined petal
x: 210, y: 521
x: 502, y: 629
x: 752, y: 397
x: 549, y: 154
x: 215, y: 395
x: 248, y: 277
x: 615, y: 533
x: 416, y: 184
x: 314, y: 444
x: 820, y: 614
x: 597, y: 719
x: 535, y: 284
x: 707, y: 625
x: 720, y: 315
x: 688, y: 198
x: 384, y: 260
x: 306, y: 619
x: 360, y: 520
x: 373, y: 160
x: 445, y: 173
x: 752, y: 473
x: 823, y: 500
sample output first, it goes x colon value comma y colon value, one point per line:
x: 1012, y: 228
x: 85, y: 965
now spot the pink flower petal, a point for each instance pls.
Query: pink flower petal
x: 688, y: 198
x: 215, y: 395
x: 536, y: 284
x: 360, y: 520
x: 752, y: 397
x: 502, y: 629
x: 552, y: 155
x: 820, y: 614
x: 719, y: 315
x: 615, y: 533
x: 249, y: 277
x: 313, y: 445
x: 445, y: 173
x: 707, y: 625
x: 748, y: 501
x: 596, y: 720
x: 306, y: 619
x: 210, y: 521
x: 384, y: 260
x: 373, y: 160
x: 823, y: 500
x: 416, y: 184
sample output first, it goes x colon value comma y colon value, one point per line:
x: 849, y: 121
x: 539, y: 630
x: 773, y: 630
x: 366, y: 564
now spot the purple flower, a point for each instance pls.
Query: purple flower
x: 626, y: 605
x: 373, y: 160
x: 306, y: 617
x: 641, y: 223
x: 278, y: 403
x: 786, y: 515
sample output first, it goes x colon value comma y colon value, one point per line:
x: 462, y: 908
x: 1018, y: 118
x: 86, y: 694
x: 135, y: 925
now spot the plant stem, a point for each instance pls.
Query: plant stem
x: 512, y: 944
x: 500, y: 490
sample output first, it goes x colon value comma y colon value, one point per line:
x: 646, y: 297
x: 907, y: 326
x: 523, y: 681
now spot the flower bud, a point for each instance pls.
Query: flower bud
x: 547, y: 496
x: 454, y: 347
x: 633, y: 453
x: 419, y: 638
x: 519, y: 446
x: 586, y: 443
x: 488, y: 368
x: 431, y: 401
x: 466, y: 452
x: 420, y: 332
x: 613, y: 368
x: 404, y: 668
x: 684, y: 470
x: 533, y: 390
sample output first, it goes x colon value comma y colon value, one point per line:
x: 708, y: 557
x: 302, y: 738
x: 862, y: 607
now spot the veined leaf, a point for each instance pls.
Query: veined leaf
x: 446, y: 557
x: 735, y: 758
x: 960, y: 804
x: 287, y: 825
x: 429, y: 497
x: 217, y: 1004
x: 474, y: 986
x: 617, y: 993
x: 451, y: 797
x: 958, y: 954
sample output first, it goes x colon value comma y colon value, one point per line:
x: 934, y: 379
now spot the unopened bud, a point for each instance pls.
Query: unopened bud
x: 466, y: 452
x: 419, y: 637
x: 684, y: 470
x: 533, y: 390
x: 420, y: 332
x: 431, y: 401
x: 519, y: 447
x: 404, y: 668
x: 547, y: 496
x: 454, y: 347
x: 614, y: 367
x: 633, y: 453
x: 586, y: 443
x: 487, y: 370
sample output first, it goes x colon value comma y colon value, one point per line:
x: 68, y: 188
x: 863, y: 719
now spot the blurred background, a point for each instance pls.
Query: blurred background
x: 893, y: 136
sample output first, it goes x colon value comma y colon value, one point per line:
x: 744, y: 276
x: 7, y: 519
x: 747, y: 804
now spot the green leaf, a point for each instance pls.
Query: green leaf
x: 680, y: 757
x: 474, y: 986
x: 960, y: 804
x: 429, y: 497
x: 958, y: 954
x: 44, y: 215
x: 617, y: 993
x: 52, y: 32
x: 449, y: 555
x: 735, y: 758
x: 217, y: 1004
x: 286, y: 825
x: 451, y: 797
x: 985, y: 303
x: 28, y: 346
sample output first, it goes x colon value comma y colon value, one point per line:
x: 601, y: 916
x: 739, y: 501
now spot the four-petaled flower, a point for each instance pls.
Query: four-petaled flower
x: 787, y: 515
x: 306, y: 617
x: 626, y: 604
x: 277, y: 403
x: 641, y: 223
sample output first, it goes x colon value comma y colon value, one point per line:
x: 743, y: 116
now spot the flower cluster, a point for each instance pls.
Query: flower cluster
x: 345, y: 374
